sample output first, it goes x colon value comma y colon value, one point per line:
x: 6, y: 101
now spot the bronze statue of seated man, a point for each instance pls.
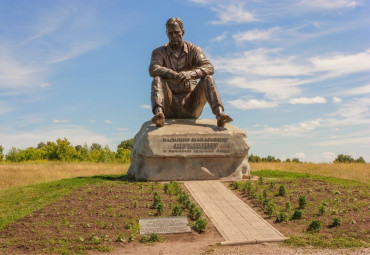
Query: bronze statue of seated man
x: 176, y: 67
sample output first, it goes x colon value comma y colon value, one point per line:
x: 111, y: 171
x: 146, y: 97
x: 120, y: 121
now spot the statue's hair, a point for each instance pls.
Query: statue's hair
x: 171, y: 21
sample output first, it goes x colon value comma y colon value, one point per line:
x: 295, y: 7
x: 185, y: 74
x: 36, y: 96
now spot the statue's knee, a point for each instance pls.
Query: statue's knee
x: 209, y: 79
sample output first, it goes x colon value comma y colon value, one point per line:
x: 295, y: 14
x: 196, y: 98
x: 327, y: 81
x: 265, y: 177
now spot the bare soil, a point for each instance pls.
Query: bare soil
x: 92, y: 218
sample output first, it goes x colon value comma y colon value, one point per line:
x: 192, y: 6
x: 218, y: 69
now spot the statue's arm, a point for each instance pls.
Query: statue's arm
x: 157, y: 68
x: 202, y: 65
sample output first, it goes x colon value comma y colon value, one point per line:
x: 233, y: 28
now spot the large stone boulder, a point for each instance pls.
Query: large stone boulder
x: 189, y: 149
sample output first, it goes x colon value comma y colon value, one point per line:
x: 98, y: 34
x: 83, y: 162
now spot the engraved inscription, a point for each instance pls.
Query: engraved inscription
x: 166, y: 225
x: 195, y: 145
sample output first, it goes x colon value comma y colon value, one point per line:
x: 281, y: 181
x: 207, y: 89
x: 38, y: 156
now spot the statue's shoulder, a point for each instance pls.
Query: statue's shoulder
x: 162, y: 48
x: 192, y: 46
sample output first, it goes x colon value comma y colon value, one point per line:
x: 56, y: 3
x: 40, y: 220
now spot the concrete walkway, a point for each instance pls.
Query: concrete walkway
x: 236, y: 221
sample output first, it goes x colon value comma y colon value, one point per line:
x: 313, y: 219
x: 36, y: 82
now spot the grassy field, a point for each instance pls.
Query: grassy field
x: 22, y: 174
x: 348, y: 171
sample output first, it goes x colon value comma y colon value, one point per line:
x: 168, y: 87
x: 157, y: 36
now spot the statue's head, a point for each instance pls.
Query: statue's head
x: 175, y: 31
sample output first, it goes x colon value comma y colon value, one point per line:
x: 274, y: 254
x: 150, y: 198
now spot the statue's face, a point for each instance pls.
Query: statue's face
x: 174, y: 34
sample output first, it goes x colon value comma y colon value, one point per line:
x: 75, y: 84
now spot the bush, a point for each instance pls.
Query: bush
x: 156, y: 200
x: 302, y: 201
x: 282, y: 191
x: 336, y: 222
x: 288, y: 205
x: 151, y: 238
x: 270, y: 209
x: 176, y: 211
x: 234, y: 185
x: 200, y: 225
x: 282, y: 216
x: 322, y: 209
x: 297, y: 215
x: 314, y: 226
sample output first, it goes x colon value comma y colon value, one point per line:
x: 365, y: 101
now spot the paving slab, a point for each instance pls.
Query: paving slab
x: 235, y: 220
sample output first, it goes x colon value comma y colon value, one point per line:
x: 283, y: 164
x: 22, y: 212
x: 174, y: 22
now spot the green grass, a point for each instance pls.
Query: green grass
x: 291, y: 175
x: 18, y: 202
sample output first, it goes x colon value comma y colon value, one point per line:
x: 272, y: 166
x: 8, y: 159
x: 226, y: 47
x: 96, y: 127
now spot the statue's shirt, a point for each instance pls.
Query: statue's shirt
x: 166, y: 63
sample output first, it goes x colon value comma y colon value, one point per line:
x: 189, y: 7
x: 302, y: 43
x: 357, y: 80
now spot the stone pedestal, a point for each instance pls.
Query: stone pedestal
x: 189, y: 149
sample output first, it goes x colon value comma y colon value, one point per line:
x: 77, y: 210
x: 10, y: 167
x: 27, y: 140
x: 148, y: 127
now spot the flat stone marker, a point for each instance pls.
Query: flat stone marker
x: 166, y: 225
x: 236, y: 221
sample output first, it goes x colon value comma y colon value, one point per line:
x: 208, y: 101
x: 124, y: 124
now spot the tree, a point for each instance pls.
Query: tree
x: 296, y: 160
x: 95, y: 146
x: 360, y: 160
x: 126, y: 144
x: 123, y: 155
x: 1, y: 153
x: 341, y: 158
x: 13, y: 155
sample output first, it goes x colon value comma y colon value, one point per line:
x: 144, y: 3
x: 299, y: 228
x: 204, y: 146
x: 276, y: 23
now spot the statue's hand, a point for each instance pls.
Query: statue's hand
x: 184, y: 76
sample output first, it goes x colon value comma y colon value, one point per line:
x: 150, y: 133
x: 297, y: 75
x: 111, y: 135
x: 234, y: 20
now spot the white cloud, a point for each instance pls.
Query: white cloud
x: 328, y: 156
x: 146, y: 106
x: 91, y: 120
x: 357, y: 91
x: 340, y: 65
x: 122, y: 129
x: 108, y: 122
x: 60, y: 121
x: 296, y: 129
x: 232, y: 13
x: 255, y: 35
x: 251, y: 70
x: 308, y: 100
x: 74, y: 134
x: 299, y: 155
x: 330, y: 4
x: 344, y: 141
x: 44, y: 85
x: 219, y: 37
x: 252, y: 104
x: 337, y: 100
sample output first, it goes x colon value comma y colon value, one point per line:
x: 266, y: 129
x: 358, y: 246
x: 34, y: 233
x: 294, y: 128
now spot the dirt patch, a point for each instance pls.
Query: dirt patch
x: 100, y: 217
x: 324, y: 201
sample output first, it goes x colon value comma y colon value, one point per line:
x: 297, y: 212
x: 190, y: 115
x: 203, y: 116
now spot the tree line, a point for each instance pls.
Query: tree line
x: 341, y: 158
x: 63, y: 150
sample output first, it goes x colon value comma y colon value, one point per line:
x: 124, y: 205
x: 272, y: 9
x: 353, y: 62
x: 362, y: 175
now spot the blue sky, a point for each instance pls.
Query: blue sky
x: 294, y: 74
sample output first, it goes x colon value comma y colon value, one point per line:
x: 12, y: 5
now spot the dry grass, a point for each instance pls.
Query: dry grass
x: 21, y: 174
x: 350, y: 171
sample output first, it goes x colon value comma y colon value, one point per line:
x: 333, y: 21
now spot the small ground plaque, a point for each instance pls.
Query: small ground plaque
x: 167, y: 225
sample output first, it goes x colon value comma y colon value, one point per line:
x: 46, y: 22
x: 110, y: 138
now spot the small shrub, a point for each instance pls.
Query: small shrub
x: 200, y: 225
x: 282, y: 191
x: 314, y: 226
x: 264, y: 193
x: 288, y: 205
x: 270, y: 209
x: 156, y: 200
x: 176, y: 211
x: 121, y: 238
x: 282, y: 216
x: 297, y: 215
x: 302, y: 201
x: 160, y: 208
x: 322, y: 209
x: 336, y: 222
x: 182, y: 198
x: 166, y: 188
x: 247, y: 188
x: 151, y: 238
x: 260, y: 180
x: 131, y: 238
x: 197, y: 214
x: 234, y: 185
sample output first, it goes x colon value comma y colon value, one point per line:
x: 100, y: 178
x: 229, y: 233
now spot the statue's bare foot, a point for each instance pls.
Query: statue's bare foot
x: 158, y: 119
x: 222, y: 119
